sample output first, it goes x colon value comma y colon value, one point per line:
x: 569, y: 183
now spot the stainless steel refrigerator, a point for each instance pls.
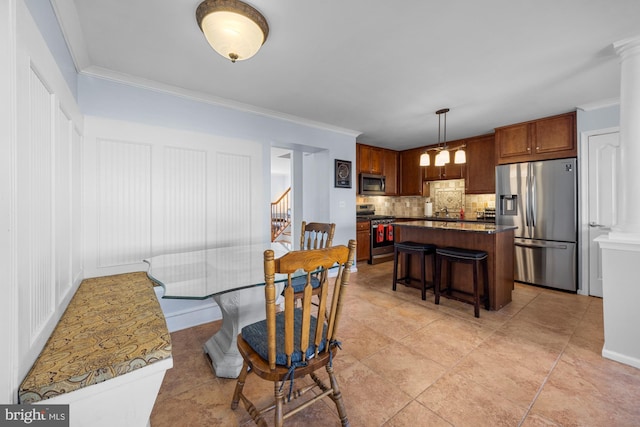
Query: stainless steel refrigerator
x: 540, y: 198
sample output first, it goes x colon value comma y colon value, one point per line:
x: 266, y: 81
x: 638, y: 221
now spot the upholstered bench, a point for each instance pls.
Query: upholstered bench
x: 107, y: 355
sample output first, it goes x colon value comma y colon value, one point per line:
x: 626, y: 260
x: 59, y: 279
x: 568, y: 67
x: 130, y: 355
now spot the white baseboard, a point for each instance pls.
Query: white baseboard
x: 184, y: 313
x: 622, y: 358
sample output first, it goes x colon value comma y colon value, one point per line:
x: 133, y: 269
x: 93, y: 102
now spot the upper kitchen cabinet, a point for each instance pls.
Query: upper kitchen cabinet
x: 481, y: 176
x: 370, y: 159
x: 448, y: 171
x: 411, y: 172
x: 378, y: 161
x: 390, y: 162
x: 452, y: 170
x: 549, y: 138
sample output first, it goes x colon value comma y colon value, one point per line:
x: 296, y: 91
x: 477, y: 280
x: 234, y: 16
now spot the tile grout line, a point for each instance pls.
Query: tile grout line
x: 555, y: 363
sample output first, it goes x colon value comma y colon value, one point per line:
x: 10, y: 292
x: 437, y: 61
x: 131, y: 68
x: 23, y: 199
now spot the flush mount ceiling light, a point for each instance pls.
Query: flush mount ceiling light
x: 233, y: 29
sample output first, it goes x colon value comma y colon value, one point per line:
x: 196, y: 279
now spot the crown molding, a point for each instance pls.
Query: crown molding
x: 69, y: 23
x: 596, y: 105
x: 127, y: 79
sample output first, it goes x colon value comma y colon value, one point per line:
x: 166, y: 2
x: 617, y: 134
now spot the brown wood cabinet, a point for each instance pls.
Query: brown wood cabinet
x: 378, y: 161
x: 411, y: 173
x: 363, y: 240
x: 370, y: 159
x: 448, y: 171
x: 452, y: 170
x: 390, y: 171
x: 480, y: 174
x: 548, y: 138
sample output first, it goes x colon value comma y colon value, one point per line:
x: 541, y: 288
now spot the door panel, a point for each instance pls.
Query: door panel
x: 604, y: 151
x: 545, y: 263
x: 511, y: 196
x: 553, y: 200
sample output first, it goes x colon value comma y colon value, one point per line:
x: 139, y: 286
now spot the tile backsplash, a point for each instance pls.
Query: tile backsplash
x: 449, y: 193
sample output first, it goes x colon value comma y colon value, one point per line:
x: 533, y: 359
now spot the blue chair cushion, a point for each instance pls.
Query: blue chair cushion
x: 297, y: 283
x: 256, y: 336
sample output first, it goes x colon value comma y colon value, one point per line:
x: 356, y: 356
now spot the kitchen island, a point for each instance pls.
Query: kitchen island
x: 496, y: 240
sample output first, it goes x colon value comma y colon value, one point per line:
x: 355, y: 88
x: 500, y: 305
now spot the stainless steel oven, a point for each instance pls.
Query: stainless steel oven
x: 381, y: 240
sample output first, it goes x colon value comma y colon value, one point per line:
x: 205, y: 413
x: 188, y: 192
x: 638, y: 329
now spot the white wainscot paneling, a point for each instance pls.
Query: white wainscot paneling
x: 123, y: 202
x: 233, y: 199
x: 35, y: 157
x: 185, y: 191
x: 76, y: 207
x: 63, y: 203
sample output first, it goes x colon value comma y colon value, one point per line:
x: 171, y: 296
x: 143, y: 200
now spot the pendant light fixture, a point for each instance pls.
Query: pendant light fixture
x: 425, y: 159
x: 442, y: 158
x: 233, y: 29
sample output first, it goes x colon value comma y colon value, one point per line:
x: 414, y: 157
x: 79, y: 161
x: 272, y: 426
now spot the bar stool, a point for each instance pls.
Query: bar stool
x: 465, y: 256
x: 420, y: 249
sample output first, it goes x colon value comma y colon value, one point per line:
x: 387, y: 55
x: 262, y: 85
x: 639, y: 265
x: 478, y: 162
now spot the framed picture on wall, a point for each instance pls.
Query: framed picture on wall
x: 343, y: 174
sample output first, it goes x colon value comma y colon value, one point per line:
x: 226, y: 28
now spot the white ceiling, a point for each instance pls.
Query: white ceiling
x: 381, y: 68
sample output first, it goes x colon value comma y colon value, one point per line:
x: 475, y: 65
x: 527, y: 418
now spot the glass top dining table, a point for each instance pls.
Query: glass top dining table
x: 205, y: 273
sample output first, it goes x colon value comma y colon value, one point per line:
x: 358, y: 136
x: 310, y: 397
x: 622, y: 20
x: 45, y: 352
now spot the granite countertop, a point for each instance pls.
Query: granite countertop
x: 473, y: 227
x: 448, y: 219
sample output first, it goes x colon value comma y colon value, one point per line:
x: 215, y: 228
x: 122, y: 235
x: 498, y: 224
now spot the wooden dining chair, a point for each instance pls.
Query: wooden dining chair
x: 297, y: 341
x: 316, y: 235
x: 313, y: 235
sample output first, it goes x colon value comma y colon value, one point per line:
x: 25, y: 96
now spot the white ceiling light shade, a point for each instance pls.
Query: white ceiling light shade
x: 460, y: 157
x: 233, y: 29
x: 440, y: 160
x: 425, y: 159
x: 444, y: 155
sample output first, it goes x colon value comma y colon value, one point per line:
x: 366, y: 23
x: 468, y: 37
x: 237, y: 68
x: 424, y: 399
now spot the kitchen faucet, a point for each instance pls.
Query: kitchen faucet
x: 445, y: 211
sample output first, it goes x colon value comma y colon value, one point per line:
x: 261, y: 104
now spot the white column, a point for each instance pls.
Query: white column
x: 629, y: 191
x: 621, y: 248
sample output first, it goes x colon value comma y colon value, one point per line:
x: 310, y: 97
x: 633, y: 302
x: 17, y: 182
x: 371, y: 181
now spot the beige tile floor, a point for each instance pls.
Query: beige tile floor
x: 408, y: 362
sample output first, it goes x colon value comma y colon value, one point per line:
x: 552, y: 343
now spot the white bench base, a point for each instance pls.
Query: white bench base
x: 126, y: 400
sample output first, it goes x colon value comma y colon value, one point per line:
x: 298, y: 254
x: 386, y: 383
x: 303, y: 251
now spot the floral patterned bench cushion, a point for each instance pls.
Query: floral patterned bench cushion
x: 113, y: 325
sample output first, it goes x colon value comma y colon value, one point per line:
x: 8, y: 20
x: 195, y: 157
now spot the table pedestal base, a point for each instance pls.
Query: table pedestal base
x: 239, y: 308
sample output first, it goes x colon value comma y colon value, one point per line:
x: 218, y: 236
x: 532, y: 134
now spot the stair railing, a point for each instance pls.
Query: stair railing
x: 280, y: 215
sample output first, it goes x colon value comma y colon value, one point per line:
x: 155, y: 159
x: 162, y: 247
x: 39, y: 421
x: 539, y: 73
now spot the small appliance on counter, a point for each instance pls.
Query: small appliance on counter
x: 490, y: 213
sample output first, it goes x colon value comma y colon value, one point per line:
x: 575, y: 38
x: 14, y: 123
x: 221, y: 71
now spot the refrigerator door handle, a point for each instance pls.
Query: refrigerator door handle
x: 526, y: 201
x: 533, y: 199
x: 547, y: 245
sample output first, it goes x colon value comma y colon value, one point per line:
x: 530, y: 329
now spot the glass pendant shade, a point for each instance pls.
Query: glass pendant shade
x: 233, y: 29
x: 460, y: 157
x: 425, y: 159
x: 439, y: 159
x: 445, y: 156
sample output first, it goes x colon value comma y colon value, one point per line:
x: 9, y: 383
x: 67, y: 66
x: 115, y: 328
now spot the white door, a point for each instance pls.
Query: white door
x: 604, y: 150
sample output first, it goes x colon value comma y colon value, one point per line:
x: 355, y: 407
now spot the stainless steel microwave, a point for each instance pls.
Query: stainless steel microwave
x: 372, y: 185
